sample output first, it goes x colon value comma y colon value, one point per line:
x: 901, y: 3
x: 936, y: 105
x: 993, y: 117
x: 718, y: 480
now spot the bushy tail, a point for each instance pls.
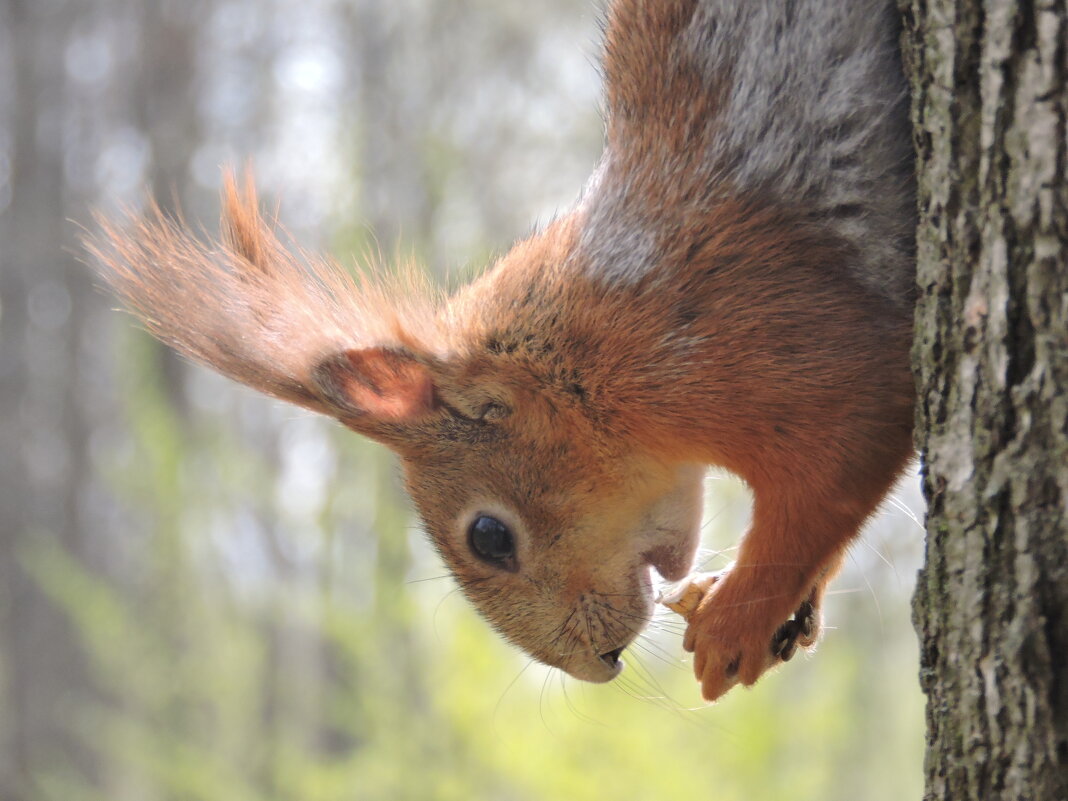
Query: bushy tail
x: 246, y: 305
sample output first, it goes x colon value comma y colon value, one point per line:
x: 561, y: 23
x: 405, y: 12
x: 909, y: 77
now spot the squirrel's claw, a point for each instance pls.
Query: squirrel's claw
x: 800, y: 630
x: 784, y: 643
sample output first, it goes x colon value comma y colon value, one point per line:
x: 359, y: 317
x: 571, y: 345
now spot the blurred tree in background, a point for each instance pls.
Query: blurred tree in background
x: 207, y: 595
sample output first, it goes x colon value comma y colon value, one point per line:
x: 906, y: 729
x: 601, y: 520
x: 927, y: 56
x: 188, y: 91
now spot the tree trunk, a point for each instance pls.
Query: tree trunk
x: 991, y: 356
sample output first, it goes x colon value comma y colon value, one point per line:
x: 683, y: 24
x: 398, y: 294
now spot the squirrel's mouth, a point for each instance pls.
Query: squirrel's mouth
x: 613, y: 659
x: 596, y: 669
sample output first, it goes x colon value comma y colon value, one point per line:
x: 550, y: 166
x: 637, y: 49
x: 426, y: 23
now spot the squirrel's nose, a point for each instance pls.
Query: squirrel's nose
x: 611, y: 658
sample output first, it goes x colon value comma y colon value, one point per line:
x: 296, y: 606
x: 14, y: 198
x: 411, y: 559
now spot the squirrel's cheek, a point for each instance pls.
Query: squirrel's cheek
x: 673, y: 526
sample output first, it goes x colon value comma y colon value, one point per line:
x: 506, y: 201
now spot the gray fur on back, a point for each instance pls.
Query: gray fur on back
x: 815, y: 115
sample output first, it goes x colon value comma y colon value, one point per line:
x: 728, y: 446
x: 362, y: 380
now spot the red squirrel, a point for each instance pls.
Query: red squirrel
x: 732, y: 288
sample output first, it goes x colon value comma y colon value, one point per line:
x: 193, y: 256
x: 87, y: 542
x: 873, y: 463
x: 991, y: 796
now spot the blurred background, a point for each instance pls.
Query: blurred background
x: 208, y: 595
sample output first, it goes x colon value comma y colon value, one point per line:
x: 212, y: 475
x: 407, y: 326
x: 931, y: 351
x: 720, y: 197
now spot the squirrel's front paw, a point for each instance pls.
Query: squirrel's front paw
x: 735, y: 640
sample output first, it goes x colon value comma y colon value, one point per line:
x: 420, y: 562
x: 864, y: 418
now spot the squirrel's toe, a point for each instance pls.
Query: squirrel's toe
x: 802, y: 629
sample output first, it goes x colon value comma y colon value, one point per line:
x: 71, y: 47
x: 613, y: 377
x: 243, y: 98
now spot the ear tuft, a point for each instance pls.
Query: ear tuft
x: 386, y: 384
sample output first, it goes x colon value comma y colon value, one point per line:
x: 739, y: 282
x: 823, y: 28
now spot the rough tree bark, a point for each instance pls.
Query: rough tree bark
x: 990, y: 111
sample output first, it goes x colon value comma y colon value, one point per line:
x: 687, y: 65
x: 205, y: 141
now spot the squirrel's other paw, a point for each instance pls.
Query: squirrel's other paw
x: 734, y: 641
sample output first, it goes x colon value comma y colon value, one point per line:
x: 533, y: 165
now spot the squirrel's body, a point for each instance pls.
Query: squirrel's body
x: 733, y: 288
x: 800, y: 103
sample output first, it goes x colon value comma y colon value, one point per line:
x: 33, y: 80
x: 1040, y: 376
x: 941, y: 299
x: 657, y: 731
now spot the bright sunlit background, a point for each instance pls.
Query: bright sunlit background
x: 206, y: 595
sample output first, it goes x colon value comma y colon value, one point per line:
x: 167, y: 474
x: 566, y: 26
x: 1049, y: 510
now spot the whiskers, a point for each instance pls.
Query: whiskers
x: 710, y: 559
x: 654, y: 639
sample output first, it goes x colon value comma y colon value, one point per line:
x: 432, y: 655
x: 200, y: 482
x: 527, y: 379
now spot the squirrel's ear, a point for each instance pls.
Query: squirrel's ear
x: 388, y: 385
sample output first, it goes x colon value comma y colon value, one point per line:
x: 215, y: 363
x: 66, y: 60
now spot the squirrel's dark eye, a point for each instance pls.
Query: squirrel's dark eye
x: 492, y: 541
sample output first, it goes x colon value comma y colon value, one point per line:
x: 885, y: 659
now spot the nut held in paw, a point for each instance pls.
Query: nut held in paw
x: 686, y: 595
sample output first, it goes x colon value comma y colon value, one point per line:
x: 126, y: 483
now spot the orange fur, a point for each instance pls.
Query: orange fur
x: 576, y: 392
